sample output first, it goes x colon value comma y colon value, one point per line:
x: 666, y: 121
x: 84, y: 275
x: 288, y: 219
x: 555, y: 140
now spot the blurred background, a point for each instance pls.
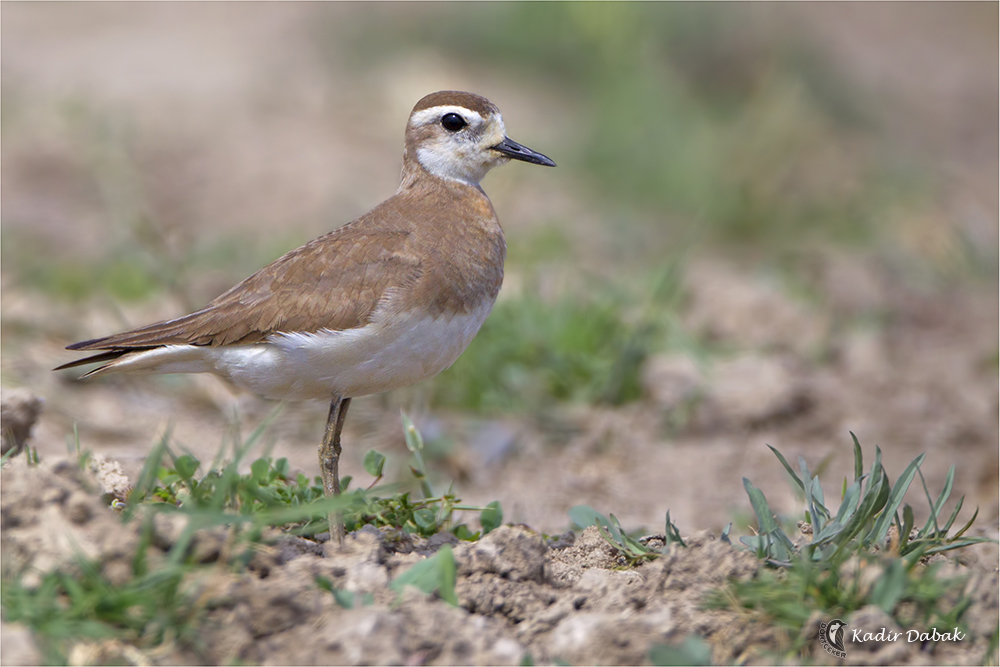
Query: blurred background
x: 770, y: 223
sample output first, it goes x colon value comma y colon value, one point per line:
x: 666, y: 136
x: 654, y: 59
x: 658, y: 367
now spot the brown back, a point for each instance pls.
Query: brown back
x: 438, y: 243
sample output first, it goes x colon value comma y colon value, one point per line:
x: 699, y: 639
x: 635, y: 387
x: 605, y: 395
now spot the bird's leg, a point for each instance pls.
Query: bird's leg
x: 329, y: 459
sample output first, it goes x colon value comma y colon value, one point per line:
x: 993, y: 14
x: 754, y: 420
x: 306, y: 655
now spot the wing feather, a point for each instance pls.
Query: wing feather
x: 333, y: 282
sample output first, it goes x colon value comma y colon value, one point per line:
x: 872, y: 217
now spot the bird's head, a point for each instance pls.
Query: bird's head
x: 461, y: 136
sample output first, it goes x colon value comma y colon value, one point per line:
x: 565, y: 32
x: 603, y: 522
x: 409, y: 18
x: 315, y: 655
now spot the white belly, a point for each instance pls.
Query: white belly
x: 393, y: 351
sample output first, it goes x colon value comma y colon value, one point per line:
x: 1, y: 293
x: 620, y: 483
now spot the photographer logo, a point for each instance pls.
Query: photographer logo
x: 831, y: 636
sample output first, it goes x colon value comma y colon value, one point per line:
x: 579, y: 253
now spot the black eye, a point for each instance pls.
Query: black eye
x: 452, y: 122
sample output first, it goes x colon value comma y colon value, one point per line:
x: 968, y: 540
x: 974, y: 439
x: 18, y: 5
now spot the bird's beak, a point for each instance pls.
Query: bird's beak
x: 516, y: 151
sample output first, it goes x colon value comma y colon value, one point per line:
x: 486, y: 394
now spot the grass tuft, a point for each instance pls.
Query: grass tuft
x: 868, y: 553
x: 870, y: 508
x: 150, y: 608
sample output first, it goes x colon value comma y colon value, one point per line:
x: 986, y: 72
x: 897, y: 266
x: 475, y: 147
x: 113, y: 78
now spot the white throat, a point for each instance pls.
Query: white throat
x: 444, y: 165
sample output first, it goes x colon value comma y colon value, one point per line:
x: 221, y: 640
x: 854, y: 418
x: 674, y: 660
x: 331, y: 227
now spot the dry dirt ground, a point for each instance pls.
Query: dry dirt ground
x: 518, y: 595
x: 908, y: 365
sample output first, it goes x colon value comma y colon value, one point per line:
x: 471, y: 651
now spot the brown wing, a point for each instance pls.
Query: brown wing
x: 334, y: 282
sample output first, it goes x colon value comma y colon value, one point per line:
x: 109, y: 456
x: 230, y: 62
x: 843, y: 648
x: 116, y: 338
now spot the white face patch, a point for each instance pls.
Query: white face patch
x: 464, y: 155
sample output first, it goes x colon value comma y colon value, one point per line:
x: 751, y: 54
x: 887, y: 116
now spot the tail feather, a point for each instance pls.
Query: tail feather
x: 170, y: 332
x: 160, y: 359
x: 93, y: 359
x: 144, y: 339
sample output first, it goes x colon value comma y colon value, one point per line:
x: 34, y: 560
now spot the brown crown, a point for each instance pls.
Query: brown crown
x: 470, y: 101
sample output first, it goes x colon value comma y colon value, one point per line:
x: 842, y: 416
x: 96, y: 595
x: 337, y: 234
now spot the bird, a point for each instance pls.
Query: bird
x: 382, y: 302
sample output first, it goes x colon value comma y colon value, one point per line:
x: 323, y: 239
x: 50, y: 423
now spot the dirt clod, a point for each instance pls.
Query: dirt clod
x: 19, y: 410
x: 512, y: 552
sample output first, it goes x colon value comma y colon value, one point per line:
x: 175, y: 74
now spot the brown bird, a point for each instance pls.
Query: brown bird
x: 387, y: 300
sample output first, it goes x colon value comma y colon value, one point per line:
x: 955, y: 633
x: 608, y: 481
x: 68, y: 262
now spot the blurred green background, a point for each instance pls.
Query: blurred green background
x: 678, y: 108
x: 771, y: 222
x: 166, y: 151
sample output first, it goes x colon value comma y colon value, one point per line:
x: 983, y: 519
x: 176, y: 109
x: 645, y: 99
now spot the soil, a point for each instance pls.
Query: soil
x: 906, y: 361
x: 519, y: 594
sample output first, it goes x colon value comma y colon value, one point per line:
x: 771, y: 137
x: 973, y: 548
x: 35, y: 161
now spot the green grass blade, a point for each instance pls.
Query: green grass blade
x: 946, y: 492
x: 634, y: 546
x: 884, y: 521
x: 673, y: 534
x: 935, y: 507
x: 932, y: 519
x: 282, y: 515
x: 146, y: 482
x: 889, y: 587
x: 968, y: 525
x: 765, y: 519
x: 954, y: 515
x: 757, y: 544
x: 877, y: 472
x: 777, y: 548
x: 960, y: 544
x: 859, y: 463
x: 449, y: 575
x: 849, y: 503
x: 870, y: 502
x: 819, y: 500
x: 616, y: 530
x: 818, y: 513
x: 827, y: 534
x: 906, y: 529
x: 791, y: 472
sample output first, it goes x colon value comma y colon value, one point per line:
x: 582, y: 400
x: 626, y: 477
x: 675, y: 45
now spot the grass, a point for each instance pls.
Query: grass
x: 268, y: 496
x: 162, y: 604
x: 870, y: 508
x: 535, y: 352
x: 680, y: 117
x: 675, y: 116
x: 867, y: 553
x: 149, y: 609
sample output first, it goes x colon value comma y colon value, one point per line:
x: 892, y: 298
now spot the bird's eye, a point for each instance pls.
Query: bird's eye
x: 452, y: 122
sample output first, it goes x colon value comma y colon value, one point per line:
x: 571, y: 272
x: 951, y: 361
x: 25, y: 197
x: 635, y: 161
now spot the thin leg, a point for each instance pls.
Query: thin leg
x: 329, y: 460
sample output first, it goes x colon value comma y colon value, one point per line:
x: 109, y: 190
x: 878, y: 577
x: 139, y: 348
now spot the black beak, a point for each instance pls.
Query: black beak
x: 516, y: 151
